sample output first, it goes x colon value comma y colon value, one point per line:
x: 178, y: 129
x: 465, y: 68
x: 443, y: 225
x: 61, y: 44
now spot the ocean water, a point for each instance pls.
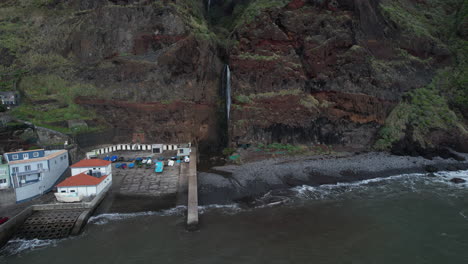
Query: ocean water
x: 402, y: 219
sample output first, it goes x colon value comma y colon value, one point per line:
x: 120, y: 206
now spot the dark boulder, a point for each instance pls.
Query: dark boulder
x: 457, y: 180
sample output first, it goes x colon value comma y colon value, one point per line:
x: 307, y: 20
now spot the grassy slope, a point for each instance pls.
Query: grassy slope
x: 30, y: 31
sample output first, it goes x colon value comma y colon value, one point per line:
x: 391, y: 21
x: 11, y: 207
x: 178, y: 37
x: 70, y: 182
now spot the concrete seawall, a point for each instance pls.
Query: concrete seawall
x: 192, y: 211
x: 8, y: 229
x: 15, y: 224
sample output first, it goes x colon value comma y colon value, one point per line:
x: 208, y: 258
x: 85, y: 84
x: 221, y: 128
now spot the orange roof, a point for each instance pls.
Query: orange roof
x: 91, y: 163
x: 81, y: 179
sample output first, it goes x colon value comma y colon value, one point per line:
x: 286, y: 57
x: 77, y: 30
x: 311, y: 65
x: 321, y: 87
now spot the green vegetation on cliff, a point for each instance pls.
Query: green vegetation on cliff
x: 424, y: 110
x: 50, y: 101
x: 442, y: 105
x: 231, y: 14
x: 31, y: 33
x: 254, y: 8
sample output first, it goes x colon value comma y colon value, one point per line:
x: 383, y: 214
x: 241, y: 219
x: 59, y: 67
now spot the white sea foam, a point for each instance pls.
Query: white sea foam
x: 17, y: 246
x: 463, y: 215
x: 446, y: 176
x: 226, y: 208
x: 412, y: 182
x: 106, y: 218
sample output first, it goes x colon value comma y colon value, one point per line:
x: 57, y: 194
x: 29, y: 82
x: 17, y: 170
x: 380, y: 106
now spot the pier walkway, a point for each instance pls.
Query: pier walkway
x: 188, y: 174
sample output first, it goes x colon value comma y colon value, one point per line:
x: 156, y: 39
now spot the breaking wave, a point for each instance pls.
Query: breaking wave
x: 17, y: 246
x: 225, y: 208
x: 106, y: 218
x: 411, y: 182
x: 103, y: 219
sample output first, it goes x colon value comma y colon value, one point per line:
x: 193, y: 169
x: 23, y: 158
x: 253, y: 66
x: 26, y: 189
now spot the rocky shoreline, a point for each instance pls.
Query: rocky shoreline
x: 243, y: 183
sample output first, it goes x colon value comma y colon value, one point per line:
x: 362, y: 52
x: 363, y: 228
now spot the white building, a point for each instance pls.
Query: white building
x: 183, y: 150
x: 89, y: 177
x: 35, y: 172
x: 157, y: 148
x: 91, y: 166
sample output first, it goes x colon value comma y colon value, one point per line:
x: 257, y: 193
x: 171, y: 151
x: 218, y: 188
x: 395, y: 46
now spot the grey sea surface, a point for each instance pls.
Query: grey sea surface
x: 408, y: 218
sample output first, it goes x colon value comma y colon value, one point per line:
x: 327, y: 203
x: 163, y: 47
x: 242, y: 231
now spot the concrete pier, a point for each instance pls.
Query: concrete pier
x: 192, y: 203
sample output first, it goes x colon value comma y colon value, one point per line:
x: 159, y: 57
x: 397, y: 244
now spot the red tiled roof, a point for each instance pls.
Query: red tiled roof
x: 91, y: 163
x: 81, y: 179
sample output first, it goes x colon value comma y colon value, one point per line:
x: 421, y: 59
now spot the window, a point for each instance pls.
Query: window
x: 72, y: 190
x: 39, y: 166
x: 15, y: 169
x: 2, y: 181
x: 36, y: 154
x: 62, y: 191
x: 25, y: 156
x: 27, y: 168
x: 15, y: 156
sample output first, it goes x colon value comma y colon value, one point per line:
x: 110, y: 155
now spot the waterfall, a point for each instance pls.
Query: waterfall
x: 228, y: 92
x: 208, y: 5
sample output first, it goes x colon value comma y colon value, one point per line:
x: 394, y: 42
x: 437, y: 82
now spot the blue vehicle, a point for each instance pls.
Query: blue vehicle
x: 131, y: 165
x: 114, y: 158
x: 118, y: 165
x: 106, y: 158
x: 159, y: 166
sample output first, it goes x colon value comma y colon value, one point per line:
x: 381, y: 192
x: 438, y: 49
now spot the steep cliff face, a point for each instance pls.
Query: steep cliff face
x: 348, y: 63
x: 337, y: 72
x: 142, y: 66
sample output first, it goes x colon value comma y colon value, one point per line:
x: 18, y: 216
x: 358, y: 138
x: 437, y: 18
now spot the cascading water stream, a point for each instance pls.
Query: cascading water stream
x: 208, y: 5
x: 228, y: 92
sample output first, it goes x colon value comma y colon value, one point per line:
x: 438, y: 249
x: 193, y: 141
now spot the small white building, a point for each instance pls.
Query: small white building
x: 157, y: 148
x: 92, y: 167
x: 183, y: 151
x: 84, y: 185
x: 89, y: 177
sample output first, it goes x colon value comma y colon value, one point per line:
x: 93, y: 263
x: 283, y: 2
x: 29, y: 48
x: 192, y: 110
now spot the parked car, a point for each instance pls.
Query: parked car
x: 3, y: 219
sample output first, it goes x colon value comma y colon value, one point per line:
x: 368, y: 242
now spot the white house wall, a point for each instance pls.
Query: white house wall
x: 104, y: 183
x: 81, y: 190
x: 33, y: 164
x: 49, y: 178
x: 104, y: 170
